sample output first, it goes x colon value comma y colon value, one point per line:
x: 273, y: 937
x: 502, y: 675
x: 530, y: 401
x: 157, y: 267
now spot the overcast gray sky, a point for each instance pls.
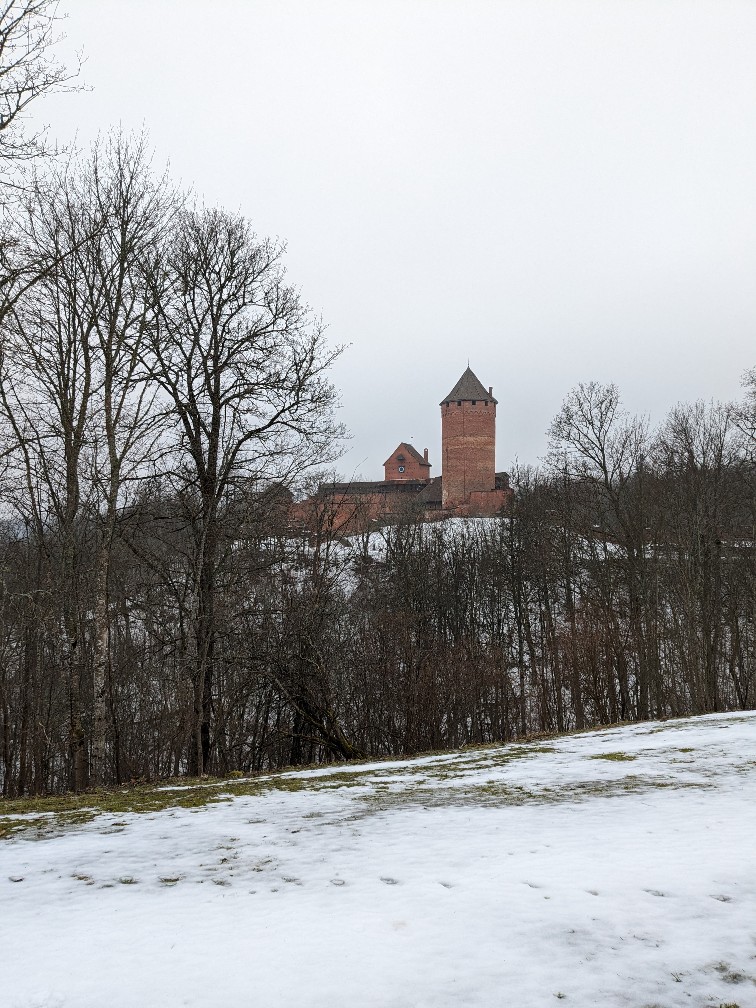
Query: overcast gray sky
x: 561, y: 191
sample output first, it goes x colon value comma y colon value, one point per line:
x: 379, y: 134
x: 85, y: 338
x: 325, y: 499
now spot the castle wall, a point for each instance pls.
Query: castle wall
x: 487, y: 502
x: 339, y: 512
x: 468, y: 450
x: 348, y: 509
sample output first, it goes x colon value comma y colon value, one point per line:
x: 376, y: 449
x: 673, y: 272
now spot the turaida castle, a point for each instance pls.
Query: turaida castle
x: 468, y: 484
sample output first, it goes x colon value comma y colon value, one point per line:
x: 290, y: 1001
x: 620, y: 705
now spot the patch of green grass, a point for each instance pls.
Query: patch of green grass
x: 10, y: 826
x: 57, y: 811
x: 76, y: 809
x: 428, y: 785
x: 449, y: 780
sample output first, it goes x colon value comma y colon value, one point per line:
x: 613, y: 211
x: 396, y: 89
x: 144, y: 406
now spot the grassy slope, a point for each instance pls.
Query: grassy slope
x: 432, y: 774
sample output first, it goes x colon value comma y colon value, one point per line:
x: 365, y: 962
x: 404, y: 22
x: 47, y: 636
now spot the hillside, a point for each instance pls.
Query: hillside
x: 612, y: 868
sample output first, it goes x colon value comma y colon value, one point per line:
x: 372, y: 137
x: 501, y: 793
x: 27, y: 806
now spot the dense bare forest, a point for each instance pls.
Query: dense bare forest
x: 163, y: 392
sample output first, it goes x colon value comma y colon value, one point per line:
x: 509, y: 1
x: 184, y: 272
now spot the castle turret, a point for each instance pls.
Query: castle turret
x: 468, y: 441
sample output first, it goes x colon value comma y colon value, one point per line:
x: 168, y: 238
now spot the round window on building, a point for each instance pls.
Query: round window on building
x: 401, y: 468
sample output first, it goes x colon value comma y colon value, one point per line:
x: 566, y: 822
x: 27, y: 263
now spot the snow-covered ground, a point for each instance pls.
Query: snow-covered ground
x: 614, y: 868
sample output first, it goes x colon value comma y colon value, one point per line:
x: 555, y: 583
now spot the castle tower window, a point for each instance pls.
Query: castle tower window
x: 475, y: 402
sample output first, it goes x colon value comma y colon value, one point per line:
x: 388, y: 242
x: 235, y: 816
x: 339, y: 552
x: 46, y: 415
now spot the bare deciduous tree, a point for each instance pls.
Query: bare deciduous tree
x: 28, y: 71
x: 74, y: 393
x: 244, y: 367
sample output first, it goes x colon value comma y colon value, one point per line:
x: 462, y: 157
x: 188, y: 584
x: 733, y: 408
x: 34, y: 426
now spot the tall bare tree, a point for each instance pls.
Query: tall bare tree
x: 74, y: 393
x: 244, y: 367
x: 136, y: 210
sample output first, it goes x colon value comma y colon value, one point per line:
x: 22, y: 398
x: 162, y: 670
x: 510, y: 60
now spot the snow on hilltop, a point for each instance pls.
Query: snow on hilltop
x: 612, y: 868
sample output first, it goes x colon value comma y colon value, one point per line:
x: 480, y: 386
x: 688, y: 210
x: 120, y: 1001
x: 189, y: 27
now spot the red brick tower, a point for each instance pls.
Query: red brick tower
x: 468, y: 442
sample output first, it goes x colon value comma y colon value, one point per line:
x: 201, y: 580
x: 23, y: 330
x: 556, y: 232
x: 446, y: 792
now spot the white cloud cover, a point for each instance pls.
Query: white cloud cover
x: 560, y: 191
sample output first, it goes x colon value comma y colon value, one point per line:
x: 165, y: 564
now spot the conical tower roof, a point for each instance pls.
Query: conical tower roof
x: 469, y: 389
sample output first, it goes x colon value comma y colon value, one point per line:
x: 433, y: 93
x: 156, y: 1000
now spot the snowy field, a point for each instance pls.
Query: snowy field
x: 614, y: 868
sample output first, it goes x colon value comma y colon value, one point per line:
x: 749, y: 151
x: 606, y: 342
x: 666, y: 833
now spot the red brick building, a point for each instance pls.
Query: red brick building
x: 407, y: 463
x: 468, y: 485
